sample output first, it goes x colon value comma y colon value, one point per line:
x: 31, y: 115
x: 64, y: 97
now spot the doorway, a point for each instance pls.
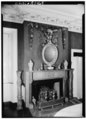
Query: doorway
x: 76, y: 59
x: 9, y: 64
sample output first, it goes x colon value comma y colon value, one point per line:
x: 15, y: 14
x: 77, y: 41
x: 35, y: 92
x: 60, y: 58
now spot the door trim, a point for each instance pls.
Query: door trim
x: 13, y: 84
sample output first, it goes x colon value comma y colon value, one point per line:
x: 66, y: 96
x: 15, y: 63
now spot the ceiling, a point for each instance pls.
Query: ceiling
x: 76, y: 10
x: 73, y: 10
x: 69, y: 16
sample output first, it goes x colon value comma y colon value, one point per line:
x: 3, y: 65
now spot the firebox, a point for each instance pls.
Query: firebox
x: 47, y: 90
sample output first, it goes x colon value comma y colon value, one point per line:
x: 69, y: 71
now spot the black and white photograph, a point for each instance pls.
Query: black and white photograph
x: 43, y: 59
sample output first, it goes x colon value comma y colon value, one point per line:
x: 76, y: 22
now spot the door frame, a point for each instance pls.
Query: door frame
x: 72, y: 55
x: 13, y: 31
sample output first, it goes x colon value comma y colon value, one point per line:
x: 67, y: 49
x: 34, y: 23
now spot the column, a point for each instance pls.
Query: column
x: 27, y: 89
x: 64, y: 85
x: 71, y: 83
x: 28, y: 85
x: 19, y: 90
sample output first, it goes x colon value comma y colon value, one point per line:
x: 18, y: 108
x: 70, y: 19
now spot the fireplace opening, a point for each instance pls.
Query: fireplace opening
x: 46, y: 90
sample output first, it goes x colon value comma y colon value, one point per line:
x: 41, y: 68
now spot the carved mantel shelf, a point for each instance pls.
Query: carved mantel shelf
x: 48, y: 74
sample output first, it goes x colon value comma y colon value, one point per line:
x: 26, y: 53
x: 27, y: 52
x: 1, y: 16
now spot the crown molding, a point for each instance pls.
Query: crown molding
x: 41, y: 15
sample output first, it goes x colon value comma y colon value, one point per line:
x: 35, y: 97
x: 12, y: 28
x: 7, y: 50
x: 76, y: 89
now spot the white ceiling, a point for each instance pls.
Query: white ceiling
x: 68, y: 9
x: 74, y: 10
x: 62, y: 15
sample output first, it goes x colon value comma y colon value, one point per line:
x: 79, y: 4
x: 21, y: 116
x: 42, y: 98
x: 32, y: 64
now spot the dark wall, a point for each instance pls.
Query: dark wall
x: 75, y: 40
x: 33, y: 46
x: 20, y: 46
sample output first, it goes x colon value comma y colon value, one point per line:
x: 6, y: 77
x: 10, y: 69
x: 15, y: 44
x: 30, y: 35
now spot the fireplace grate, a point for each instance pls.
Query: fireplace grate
x: 51, y: 107
x: 50, y: 104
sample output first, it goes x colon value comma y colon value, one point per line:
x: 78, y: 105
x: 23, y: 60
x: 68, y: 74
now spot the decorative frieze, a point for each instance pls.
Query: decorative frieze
x: 42, y: 16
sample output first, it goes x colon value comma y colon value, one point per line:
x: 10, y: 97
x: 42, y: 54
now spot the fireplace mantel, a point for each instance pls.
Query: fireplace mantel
x: 44, y: 75
x: 49, y: 74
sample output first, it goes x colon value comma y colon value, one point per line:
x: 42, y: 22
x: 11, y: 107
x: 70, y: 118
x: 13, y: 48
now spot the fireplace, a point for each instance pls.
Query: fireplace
x: 46, y: 60
x: 47, y: 89
x: 62, y: 78
x: 46, y: 93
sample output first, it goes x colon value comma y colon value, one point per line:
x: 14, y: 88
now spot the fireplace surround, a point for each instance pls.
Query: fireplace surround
x: 65, y: 75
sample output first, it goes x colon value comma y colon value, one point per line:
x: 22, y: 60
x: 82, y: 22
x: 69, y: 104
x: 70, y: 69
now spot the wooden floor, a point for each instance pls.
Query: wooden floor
x: 9, y: 110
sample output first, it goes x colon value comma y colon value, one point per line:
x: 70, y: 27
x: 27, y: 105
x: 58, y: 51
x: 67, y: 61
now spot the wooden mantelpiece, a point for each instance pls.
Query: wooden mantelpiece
x: 65, y: 75
x: 49, y: 74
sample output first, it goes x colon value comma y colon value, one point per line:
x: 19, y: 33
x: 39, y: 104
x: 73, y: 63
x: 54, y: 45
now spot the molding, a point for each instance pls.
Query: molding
x: 41, y: 15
